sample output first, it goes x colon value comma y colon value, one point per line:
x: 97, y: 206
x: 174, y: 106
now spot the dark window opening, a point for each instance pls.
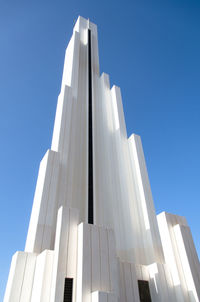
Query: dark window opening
x: 144, y: 291
x: 68, y: 290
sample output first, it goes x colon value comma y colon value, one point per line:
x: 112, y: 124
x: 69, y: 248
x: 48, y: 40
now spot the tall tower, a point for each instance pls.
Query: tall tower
x: 93, y: 233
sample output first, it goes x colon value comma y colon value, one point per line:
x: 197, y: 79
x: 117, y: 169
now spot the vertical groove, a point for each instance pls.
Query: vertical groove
x: 90, y: 138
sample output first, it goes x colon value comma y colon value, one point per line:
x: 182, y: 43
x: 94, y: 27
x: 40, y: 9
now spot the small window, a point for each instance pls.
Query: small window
x: 144, y: 291
x: 68, y: 290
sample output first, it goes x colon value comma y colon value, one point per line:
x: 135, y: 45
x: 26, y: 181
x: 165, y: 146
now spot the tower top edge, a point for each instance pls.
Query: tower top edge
x: 82, y: 22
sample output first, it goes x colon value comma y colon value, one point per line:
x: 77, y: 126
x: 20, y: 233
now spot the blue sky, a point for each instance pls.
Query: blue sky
x: 150, y: 48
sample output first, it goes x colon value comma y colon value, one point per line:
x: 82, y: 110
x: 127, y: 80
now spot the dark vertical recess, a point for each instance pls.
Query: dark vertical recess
x: 90, y: 138
x: 144, y: 291
x: 68, y: 290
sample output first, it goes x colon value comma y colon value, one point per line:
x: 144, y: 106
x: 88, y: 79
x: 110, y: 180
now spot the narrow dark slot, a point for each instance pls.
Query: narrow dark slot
x: 144, y: 291
x: 68, y: 290
x: 90, y: 139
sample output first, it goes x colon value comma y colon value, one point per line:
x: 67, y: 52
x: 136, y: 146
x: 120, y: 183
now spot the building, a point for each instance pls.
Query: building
x: 94, y: 234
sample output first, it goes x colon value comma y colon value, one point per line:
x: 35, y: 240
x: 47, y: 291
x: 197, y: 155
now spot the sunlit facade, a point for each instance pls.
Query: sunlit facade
x: 93, y: 233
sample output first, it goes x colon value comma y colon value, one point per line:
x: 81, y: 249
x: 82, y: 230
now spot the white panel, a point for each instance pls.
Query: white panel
x: 63, y: 141
x: 128, y: 282
x: 48, y: 270
x: 71, y: 62
x: 72, y: 244
x: 39, y: 207
x: 99, y: 297
x: 95, y: 54
x: 105, y: 277
x: 162, y: 283
x: 113, y: 263
x: 122, y: 283
x: 71, y: 269
x: 145, y: 272
x: 102, y: 130
x: 153, y: 283
x: 27, y: 285
x: 16, y: 277
x: 62, y: 119
x: 148, y: 222
x: 118, y: 110
x: 185, y: 263
x: 167, y: 247
x: 112, y: 298
x: 97, y: 263
x: 159, y: 284
x: 169, y: 255
x: 96, y: 282
x: 175, y: 293
x: 192, y: 257
x: 135, y: 283
x: 95, y: 296
x: 81, y: 26
x: 60, y: 254
x: 79, y: 286
x: 44, y: 200
x: 86, y: 263
x: 76, y: 169
x: 83, y: 293
x: 103, y: 297
x: 51, y: 212
x: 42, y: 278
x: 75, y: 67
x: 166, y: 223
x: 138, y: 270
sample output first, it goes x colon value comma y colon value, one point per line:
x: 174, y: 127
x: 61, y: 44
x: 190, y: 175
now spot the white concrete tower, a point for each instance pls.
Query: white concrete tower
x: 93, y: 233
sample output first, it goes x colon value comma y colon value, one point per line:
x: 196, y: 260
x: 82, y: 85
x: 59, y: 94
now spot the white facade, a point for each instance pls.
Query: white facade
x: 126, y: 241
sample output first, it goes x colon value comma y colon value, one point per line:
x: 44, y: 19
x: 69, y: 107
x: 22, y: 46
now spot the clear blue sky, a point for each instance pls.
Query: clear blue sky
x: 150, y: 48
